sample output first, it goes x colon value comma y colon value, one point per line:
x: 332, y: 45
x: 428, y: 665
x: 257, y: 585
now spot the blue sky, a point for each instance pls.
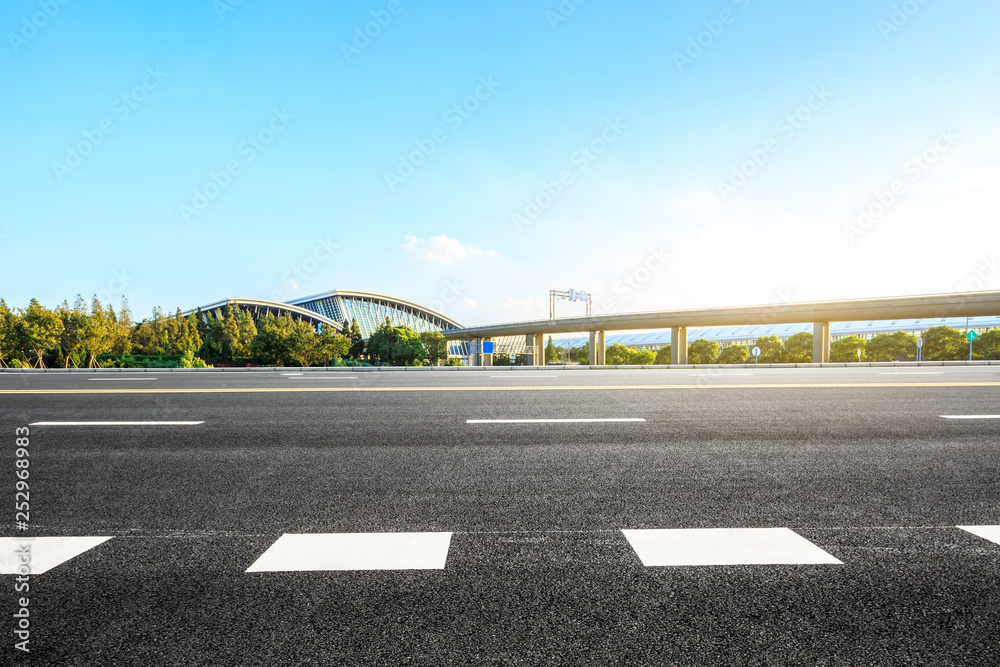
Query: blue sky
x: 659, y: 155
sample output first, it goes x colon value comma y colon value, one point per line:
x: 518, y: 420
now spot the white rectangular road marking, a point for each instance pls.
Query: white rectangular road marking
x: 991, y: 533
x: 906, y: 373
x: 116, y: 423
x: 355, y: 551
x: 119, y: 379
x: 524, y: 375
x: 550, y: 421
x: 708, y: 375
x: 44, y: 553
x: 725, y: 546
x: 970, y: 416
x: 324, y: 377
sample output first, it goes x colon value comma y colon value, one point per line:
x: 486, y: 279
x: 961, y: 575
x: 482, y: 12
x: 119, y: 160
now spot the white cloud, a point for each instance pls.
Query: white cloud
x: 443, y: 250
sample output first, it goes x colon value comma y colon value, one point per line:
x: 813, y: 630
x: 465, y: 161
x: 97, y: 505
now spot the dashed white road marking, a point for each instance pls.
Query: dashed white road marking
x: 115, y: 423
x: 725, y: 546
x: 323, y: 377
x: 991, y: 533
x: 912, y: 373
x: 551, y: 421
x: 702, y: 375
x: 525, y: 375
x: 355, y: 551
x: 119, y: 379
x: 42, y: 553
x: 970, y: 416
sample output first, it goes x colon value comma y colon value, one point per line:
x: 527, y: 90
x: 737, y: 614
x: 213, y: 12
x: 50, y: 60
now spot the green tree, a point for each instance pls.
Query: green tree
x: 617, y: 355
x: 407, y: 350
x: 381, y: 342
x: 38, y: 330
x: 330, y: 346
x: 71, y: 339
x: 582, y: 354
x: 896, y: 346
x: 846, y: 349
x: 501, y: 359
x: 987, y: 346
x: 703, y: 351
x: 944, y: 343
x: 799, y: 348
x: 734, y: 354
x: 353, y: 332
x: 435, y: 346
x: 551, y: 353
x: 663, y: 356
x: 641, y: 357
x: 98, y: 333
x: 771, y: 350
x: 8, y: 332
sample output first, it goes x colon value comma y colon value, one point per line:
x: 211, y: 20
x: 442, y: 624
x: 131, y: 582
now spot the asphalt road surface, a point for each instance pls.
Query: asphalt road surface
x: 340, y: 517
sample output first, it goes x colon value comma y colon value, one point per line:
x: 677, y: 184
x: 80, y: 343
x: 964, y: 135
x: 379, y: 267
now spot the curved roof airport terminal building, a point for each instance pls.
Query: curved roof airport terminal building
x: 369, y: 309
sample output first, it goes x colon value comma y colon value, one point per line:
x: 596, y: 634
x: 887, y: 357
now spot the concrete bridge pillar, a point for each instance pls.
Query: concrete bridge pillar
x: 821, y: 342
x: 536, y: 349
x: 597, y: 348
x: 678, y: 345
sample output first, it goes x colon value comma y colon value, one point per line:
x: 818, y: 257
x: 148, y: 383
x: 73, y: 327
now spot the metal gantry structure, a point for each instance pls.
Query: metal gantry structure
x: 568, y: 295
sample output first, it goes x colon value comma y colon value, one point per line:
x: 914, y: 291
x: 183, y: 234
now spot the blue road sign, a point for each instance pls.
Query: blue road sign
x: 487, y: 347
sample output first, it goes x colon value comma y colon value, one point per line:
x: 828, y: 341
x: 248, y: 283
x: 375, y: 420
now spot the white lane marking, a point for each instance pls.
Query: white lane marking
x: 119, y: 379
x: 970, y: 416
x: 550, y: 421
x: 355, y: 551
x: 325, y: 377
x: 912, y: 373
x: 116, y: 423
x: 725, y: 546
x: 715, y: 374
x: 524, y: 375
x: 991, y: 533
x: 291, y: 374
x: 44, y: 553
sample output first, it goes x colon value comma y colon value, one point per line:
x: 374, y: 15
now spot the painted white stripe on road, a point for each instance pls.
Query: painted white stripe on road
x: 355, y: 551
x: 550, y: 421
x: 970, y: 416
x: 119, y: 379
x: 43, y: 553
x: 324, y: 377
x: 991, y: 533
x: 705, y: 375
x: 725, y: 546
x: 116, y: 423
x: 524, y: 375
x: 905, y: 373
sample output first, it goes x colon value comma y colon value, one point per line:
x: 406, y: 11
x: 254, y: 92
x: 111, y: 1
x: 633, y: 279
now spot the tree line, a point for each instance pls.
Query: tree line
x: 79, y: 336
x: 941, y: 343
